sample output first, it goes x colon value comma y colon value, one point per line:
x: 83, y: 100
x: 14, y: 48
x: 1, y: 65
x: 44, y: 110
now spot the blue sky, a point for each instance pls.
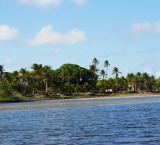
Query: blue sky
x: 54, y: 32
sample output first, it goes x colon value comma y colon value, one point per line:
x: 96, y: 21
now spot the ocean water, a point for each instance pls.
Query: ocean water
x: 121, y: 121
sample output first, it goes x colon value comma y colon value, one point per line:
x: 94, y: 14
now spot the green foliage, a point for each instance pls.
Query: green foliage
x: 71, y: 78
x: 7, y: 95
x: 4, y: 91
x: 157, y: 84
x: 113, y: 94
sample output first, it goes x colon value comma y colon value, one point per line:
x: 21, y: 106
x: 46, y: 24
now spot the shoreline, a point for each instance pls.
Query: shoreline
x: 80, y: 104
x: 116, y: 96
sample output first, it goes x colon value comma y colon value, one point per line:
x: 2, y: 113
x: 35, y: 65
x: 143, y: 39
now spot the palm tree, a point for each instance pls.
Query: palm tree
x: 1, y: 72
x: 47, y: 75
x: 152, y: 81
x: 115, y: 71
x: 136, y: 82
x: 31, y: 83
x: 82, y: 73
x: 110, y: 83
x: 139, y: 77
x: 130, y: 80
x: 93, y: 71
x: 8, y: 78
x: 145, y: 77
x: 138, y: 74
x: 63, y: 75
x: 76, y: 74
x: 66, y: 74
x: 95, y: 63
x: 85, y: 87
x: 92, y: 68
x: 106, y: 64
x: 37, y: 71
x: 123, y: 83
x: 22, y: 76
x: 102, y: 73
x: 130, y: 77
x: 16, y: 77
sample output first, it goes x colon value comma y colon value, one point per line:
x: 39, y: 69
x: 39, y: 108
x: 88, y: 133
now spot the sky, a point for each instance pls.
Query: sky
x: 55, y: 32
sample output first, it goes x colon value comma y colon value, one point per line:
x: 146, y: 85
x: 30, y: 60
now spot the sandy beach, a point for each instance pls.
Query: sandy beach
x: 140, y: 98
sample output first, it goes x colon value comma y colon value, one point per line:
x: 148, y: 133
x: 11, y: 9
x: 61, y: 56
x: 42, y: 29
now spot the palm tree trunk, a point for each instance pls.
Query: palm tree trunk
x: 46, y: 87
x: 33, y: 91
x: 77, y: 81
x: 41, y: 87
x: 146, y: 86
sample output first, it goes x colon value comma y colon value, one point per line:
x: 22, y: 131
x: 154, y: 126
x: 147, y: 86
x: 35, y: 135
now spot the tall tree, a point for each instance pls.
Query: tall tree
x: 139, y: 77
x: 22, y: 76
x: 37, y: 71
x: 130, y: 80
x: 102, y: 73
x: 115, y: 71
x: 95, y: 62
x: 46, y: 78
x: 77, y: 74
x: 145, y: 77
x: 106, y: 64
x: 47, y: 75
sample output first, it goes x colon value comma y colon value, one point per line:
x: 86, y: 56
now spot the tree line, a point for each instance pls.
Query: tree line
x: 72, y: 78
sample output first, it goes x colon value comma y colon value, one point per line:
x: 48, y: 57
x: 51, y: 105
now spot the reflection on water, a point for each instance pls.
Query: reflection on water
x: 136, y: 123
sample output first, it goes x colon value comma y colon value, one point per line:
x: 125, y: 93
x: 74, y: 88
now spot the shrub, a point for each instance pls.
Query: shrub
x: 113, y: 94
x: 6, y: 94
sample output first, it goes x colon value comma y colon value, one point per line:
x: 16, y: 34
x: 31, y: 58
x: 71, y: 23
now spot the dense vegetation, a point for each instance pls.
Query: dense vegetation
x: 71, y: 78
x: 8, y: 95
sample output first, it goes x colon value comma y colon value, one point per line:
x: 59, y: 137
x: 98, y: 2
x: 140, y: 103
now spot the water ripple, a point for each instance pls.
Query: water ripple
x: 136, y: 123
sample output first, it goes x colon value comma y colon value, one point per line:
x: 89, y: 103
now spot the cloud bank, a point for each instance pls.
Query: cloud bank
x: 8, y: 62
x: 46, y: 3
x: 40, y: 3
x: 79, y: 2
x: 8, y: 33
x: 158, y: 74
x: 145, y: 28
x: 48, y: 36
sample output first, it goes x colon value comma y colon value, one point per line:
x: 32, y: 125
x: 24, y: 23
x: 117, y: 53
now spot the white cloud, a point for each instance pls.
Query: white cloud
x: 47, y: 35
x: 125, y: 73
x: 80, y: 2
x: 138, y: 29
x: 40, y: 3
x: 7, y: 33
x: 146, y: 27
x: 8, y: 70
x: 46, y: 3
x: 8, y: 61
x: 158, y: 74
x: 148, y: 71
x: 56, y: 51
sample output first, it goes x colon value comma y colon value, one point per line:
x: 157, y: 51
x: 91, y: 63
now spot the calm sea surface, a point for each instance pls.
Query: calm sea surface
x: 101, y: 122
